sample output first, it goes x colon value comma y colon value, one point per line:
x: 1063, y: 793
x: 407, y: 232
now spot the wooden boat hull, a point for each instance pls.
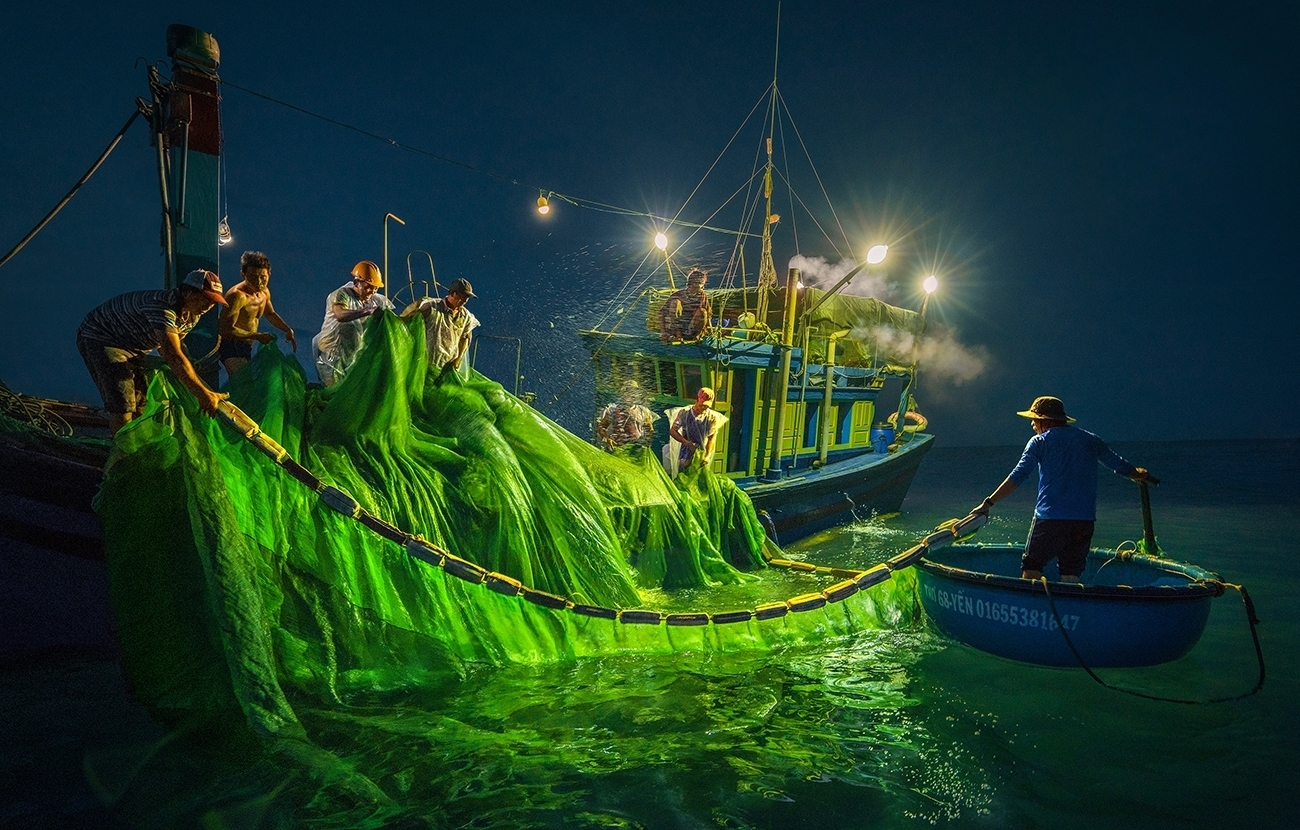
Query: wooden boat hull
x: 1131, y: 610
x: 809, y: 501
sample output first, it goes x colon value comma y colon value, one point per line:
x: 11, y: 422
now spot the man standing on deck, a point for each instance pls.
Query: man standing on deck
x: 685, y: 314
x: 346, y: 312
x: 627, y: 421
x: 695, y: 427
x: 246, y: 304
x: 1066, y: 512
x: 115, y: 336
x: 447, y: 326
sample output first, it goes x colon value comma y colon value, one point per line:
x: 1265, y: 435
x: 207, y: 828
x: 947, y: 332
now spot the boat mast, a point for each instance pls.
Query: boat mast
x: 766, y: 282
x: 766, y: 268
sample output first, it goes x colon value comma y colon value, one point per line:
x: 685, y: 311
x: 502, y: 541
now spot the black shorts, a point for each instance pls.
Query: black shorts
x: 234, y: 347
x: 1065, y: 540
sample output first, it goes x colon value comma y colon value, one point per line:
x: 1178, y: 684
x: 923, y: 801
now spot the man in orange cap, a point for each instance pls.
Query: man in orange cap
x: 346, y: 312
x: 1066, y: 512
x: 115, y: 336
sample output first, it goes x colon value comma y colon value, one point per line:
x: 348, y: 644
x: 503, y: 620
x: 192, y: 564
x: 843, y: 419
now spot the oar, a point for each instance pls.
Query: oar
x: 1148, y: 529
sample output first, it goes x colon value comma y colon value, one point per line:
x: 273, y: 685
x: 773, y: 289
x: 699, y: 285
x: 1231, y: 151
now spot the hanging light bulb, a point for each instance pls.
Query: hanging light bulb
x: 223, y: 231
x: 661, y: 241
x: 543, y: 207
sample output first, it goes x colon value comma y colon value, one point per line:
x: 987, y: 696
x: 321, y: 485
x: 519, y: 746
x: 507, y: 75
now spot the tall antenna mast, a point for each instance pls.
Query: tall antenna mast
x: 766, y: 268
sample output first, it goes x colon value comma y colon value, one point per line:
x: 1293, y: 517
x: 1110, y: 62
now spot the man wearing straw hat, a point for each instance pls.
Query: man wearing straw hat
x: 1066, y: 512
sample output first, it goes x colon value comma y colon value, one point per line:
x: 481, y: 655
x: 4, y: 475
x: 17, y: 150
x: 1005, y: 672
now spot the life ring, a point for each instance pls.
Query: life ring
x: 912, y: 421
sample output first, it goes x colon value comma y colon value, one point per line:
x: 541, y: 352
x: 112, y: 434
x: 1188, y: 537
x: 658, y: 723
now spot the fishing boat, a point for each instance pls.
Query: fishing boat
x: 802, y: 374
x: 1131, y: 608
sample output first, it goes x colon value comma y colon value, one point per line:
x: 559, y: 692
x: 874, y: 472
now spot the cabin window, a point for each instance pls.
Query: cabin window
x: 692, y: 379
x: 667, y: 378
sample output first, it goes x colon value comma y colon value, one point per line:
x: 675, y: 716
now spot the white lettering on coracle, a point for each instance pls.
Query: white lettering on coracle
x: 999, y: 612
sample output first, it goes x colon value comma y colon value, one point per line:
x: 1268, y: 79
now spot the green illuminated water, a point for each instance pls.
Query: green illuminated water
x: 887, y: 728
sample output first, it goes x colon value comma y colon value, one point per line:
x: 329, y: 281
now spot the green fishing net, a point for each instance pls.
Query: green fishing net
x: 240, y: 595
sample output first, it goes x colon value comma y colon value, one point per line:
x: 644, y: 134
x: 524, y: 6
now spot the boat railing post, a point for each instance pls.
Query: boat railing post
x: 782, y: 391
x: 827, y: 422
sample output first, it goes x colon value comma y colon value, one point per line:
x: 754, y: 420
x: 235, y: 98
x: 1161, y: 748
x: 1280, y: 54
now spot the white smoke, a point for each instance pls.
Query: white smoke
x: 940, y: 358
x: 818, y: 273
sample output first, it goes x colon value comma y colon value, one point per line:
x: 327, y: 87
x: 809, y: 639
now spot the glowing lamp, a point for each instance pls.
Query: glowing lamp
x: 223, y: 232
x: 876, y: 255
x: 931, y: 283
x: 661, y: 241
x: 543, y: 207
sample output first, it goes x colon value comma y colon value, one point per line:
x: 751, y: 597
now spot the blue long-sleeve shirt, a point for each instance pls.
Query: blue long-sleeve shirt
x: 1067, y: 458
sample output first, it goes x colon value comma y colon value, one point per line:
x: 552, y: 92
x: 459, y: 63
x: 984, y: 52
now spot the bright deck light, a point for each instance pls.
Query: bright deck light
x: 931, y: 283
x: 223, y: 232
x: 661, y: 241
x: 542, y: 207
x: 876, y: 255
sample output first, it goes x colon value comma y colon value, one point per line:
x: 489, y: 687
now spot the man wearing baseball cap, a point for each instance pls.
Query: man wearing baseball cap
x: 1066, y: 512
x: 447, y: 325
x: 115, y: 336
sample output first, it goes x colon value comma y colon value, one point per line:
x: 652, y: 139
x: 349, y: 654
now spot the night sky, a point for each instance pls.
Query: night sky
x: 1107, y: 192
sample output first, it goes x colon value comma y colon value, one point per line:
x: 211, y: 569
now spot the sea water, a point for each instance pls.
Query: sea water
x: 892, y: 728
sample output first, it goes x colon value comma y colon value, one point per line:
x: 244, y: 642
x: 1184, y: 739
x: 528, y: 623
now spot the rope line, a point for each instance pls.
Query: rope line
x: 112, y: 145
x: 1251, y: 618
x: 576, y: 201
x: 851, y: 581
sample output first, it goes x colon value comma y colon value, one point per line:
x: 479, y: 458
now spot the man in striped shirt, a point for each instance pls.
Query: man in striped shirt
x: 115, y: 337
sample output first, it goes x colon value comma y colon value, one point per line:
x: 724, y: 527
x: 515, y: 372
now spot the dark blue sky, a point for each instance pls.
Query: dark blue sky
x: 1108, y: 193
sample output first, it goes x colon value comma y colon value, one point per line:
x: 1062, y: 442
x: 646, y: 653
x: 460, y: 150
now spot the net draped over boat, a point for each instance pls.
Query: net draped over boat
x: 237, y: 590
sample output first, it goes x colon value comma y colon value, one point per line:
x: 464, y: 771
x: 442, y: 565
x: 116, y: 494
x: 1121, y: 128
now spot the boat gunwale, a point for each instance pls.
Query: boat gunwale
x: 1202, y: 583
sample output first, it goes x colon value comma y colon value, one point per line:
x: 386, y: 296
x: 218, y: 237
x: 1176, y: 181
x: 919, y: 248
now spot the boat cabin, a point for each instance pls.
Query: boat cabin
x: 813, y: 376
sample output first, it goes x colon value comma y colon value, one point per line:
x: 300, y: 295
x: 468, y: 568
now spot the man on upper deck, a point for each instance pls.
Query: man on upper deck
x: 1066, y: 512
x: 685, y: 314
x: 114, y: 338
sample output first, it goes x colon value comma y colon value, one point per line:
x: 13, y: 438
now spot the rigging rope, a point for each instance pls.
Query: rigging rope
x: 112, y: 145
x: 576, y: 201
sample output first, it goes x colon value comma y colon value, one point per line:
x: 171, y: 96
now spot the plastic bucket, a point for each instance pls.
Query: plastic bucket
x: 882, y: 435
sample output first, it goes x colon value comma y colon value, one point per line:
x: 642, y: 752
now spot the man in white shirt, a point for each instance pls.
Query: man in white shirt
x: 447, y: 326
x: 346, y: 312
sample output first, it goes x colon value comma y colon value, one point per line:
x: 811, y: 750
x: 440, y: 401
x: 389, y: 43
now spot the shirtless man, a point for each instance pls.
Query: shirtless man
x: 248, y: 302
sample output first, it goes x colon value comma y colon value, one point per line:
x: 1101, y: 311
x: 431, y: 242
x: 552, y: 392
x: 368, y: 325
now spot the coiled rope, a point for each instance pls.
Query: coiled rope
x: 850, y: 581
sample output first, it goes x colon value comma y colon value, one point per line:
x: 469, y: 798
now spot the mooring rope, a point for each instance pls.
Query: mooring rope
x: 851, y: 581
x: 1250, y: 617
